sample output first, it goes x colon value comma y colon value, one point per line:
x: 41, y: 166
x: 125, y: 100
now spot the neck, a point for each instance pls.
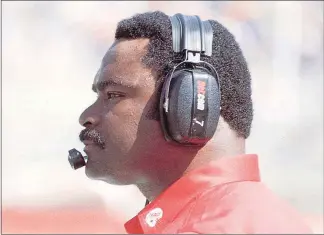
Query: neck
x: 182, y: 160
x: 167, y: 167
x: 212, y: 153
x: 152, y: 187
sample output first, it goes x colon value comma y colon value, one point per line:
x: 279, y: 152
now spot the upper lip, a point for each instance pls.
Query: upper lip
x: 87, y: 142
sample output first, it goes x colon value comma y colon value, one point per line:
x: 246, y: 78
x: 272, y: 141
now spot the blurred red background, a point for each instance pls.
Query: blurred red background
x: 78, y: 220
x: 60, y: 220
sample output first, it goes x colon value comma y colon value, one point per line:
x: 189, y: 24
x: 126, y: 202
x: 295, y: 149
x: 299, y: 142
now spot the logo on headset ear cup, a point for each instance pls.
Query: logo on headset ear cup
x: 201, y: 92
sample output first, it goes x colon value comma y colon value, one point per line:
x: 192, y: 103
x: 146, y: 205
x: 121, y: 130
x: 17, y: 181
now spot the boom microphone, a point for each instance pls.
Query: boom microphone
x: 76, y: 159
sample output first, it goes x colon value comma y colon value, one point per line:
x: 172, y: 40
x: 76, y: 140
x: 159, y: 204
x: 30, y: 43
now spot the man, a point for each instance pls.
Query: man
x: 213, y: 188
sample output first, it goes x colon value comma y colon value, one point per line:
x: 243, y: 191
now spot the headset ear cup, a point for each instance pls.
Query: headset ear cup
x: 163, y: 113
x: 179, y: 124
x: 176, y: 122
x: 180, y: 106
x: 213, y: 101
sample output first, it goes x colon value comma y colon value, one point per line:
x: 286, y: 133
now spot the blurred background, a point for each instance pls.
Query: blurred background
x: 50, y: 54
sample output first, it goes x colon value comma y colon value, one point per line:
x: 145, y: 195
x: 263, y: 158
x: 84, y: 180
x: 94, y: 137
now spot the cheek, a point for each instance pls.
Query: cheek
x: 121, y: 124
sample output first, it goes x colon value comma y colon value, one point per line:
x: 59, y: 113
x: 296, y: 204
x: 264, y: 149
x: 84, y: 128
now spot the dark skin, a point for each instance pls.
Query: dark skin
x: 135, y: 151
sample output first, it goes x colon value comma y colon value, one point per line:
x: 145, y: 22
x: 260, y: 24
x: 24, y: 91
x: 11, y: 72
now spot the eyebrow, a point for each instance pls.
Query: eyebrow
x: 102, y: 85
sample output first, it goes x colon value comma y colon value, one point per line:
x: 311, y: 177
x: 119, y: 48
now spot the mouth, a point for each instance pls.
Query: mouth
x: 91, y: 139
x: 89, y: 144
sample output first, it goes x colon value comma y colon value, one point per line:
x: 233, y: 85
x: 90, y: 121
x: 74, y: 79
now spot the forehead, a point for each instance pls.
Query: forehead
x: 122, y: 63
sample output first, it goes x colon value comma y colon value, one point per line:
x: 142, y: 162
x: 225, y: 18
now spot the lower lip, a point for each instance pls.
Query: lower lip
x: 89, y: 147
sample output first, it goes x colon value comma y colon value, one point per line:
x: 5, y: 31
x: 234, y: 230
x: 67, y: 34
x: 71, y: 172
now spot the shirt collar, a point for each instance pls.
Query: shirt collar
x: 162, y: 211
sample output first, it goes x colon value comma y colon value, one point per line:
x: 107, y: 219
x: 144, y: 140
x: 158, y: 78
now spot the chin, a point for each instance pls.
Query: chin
x: 94, y: 173
x: 114, y: 181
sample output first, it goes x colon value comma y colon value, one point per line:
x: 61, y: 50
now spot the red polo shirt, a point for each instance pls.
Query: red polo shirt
x: 225, y: 196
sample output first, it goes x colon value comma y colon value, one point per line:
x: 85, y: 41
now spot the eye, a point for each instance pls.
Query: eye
x: 113, y: 95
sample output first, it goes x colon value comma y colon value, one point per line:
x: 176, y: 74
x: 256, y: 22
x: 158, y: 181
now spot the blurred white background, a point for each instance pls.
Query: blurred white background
x: 51, y: 52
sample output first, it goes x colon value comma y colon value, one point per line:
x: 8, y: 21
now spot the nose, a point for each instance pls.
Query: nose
x: 88, y: 118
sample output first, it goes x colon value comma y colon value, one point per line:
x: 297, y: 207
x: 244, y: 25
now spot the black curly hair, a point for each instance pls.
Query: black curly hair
x: 227, y: 58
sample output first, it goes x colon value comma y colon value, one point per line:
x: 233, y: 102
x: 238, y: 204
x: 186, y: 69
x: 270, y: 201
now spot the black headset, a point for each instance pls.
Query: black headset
x: 190, y: 98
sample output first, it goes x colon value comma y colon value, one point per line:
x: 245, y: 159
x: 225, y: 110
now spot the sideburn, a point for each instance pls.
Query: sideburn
x: 153, y: 112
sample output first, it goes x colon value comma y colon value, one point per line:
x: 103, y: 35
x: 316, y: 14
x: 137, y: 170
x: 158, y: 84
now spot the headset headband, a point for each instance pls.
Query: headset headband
x: 191, y: 35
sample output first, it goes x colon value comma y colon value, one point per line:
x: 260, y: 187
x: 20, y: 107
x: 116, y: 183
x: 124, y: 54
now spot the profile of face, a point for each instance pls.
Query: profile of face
x: 120, y: 137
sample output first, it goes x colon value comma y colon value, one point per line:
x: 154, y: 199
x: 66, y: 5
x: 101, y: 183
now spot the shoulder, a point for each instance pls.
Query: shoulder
x: 242, y: 207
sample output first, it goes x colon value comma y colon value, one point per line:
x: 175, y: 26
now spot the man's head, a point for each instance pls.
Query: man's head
x: 123, y: 122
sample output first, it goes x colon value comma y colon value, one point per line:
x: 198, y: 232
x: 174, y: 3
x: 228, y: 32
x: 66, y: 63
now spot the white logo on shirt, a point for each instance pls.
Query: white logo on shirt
x: 153, y: 216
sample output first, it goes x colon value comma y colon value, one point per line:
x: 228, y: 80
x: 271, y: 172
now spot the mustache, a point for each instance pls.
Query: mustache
x: 92, y: 135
